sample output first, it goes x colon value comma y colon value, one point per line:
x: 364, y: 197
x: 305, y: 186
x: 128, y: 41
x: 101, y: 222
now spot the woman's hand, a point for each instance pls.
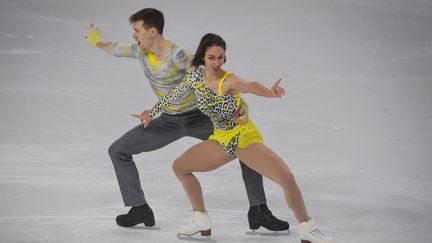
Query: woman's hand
x: 277, y: 91
x: 144, y: 117
x: 242, y: 114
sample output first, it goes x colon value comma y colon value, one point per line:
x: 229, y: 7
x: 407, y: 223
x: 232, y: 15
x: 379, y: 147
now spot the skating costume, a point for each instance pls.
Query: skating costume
x: 164, y: 74
x: 220, y: 108
x: 181, y: 118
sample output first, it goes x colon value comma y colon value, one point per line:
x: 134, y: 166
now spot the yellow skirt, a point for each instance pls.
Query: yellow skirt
x: 248, y: 134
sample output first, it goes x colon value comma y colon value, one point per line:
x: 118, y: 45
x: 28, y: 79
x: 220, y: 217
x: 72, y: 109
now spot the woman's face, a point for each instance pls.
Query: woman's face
x: 214, y: 58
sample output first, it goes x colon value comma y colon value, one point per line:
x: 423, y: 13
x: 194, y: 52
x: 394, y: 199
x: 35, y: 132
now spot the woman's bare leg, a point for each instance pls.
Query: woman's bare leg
x: 205, y: 156
x: 266, y: 162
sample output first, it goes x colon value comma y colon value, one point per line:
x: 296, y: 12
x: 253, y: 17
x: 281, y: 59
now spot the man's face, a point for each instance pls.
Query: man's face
x: 143, y: 36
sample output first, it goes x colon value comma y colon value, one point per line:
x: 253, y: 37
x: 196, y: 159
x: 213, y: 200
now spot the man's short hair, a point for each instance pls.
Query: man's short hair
x: 151, y: 18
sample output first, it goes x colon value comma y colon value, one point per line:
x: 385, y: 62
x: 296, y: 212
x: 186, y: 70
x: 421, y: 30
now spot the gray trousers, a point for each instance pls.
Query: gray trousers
x: 162, y: 131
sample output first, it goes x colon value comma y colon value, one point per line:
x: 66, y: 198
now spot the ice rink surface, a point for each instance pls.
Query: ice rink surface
x: 355, y: 125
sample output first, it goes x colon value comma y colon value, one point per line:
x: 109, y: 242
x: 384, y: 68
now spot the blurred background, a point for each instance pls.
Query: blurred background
x: 355, y: 125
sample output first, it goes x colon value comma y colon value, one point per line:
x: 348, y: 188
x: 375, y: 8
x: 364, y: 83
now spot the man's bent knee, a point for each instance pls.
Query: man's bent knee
x: 113, y: 149
x: 117, y: 153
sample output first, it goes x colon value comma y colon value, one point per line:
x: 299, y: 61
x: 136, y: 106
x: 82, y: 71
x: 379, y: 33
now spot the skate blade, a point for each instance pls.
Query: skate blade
x: 141, y: 226
x: 195, y: 237
x: 152, y: 228
x: 269, y: 234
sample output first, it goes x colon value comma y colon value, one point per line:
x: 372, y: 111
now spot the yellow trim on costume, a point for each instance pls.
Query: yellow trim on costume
x: 174, y: 70
x: 236, y: 96
x: 238, y: 99
x: 249, y: 134
x: 126, y: 51
x: 221, y: 82
x: 152, y: 58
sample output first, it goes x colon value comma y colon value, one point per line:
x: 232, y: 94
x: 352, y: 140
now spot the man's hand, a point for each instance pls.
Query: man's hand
x: 242, y: 115
x: 144, y: 117
x: 94, y: 37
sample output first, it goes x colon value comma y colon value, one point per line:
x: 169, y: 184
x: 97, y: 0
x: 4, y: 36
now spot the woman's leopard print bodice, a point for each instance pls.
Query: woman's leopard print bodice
x: 220, y: 108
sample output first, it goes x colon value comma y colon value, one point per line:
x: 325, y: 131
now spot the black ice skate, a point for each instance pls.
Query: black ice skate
x: 262, y: 216
x: 137, y: 215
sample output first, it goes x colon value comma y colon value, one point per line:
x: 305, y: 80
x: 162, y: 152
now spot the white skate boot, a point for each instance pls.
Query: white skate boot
x: 309, y: 233
x: 200, y: 223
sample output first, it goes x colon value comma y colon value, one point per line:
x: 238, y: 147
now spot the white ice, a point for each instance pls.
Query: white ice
x: 355, y: 126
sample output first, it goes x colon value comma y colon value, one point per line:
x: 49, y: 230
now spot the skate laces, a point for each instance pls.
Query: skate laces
x: 142, y: 209
x: 267, y: 210
x: 317, y: 234
x: 132, y: 210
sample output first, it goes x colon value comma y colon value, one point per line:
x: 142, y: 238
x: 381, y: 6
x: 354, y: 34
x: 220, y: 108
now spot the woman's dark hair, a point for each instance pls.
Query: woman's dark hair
x: 151, y: 18
x: 208, y: 40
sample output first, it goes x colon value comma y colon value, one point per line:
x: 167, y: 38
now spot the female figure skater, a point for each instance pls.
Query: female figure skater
x: 218, y: 95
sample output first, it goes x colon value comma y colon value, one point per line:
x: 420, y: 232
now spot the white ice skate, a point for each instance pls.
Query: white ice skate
x: 309, y: 233
x: 200, y: 223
